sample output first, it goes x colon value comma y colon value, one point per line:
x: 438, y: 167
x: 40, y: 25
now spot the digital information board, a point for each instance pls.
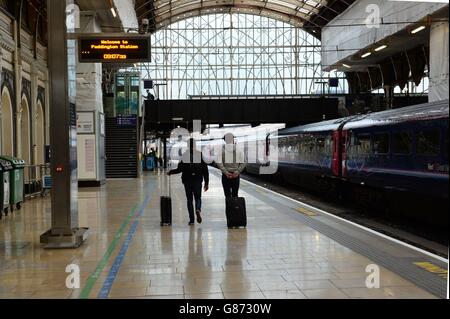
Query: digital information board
x: 114, y: 49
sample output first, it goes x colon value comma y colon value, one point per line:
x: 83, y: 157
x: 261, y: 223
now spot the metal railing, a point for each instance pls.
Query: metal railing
x: 36, y: 180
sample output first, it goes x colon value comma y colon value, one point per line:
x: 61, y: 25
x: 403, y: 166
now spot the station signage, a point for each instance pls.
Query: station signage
x: 127, y: 120
x: 114, y: 49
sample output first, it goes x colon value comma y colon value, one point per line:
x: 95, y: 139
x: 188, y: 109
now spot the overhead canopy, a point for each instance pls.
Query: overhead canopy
x: 310, y: 14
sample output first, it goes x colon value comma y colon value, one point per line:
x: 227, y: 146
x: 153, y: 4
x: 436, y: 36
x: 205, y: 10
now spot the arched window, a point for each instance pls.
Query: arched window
x: 40, y: 134
x: 6, y: 114
x: 235, y: 54
x: 25, y: 131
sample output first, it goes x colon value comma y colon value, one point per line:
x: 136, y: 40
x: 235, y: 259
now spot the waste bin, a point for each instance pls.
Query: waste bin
x: 5, y: 169
x: 16, y: 181
x: 149, y: 162
x: 2, y: 193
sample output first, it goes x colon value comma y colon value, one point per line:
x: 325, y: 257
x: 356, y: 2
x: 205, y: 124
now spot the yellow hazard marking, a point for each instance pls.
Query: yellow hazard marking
x: 305, y: 211
x: 433, y: 269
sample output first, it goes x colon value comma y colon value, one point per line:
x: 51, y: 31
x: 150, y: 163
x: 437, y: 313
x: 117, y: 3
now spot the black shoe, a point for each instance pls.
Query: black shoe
x: 191, y: 223
x: 199, y: 217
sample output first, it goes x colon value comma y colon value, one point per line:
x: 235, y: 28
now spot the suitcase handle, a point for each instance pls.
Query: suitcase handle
x: 170, y: 187
x: 169, y: 167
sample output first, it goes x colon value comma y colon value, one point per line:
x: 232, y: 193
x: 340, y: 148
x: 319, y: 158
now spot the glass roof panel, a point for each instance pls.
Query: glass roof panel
x: 167, y: 9
x: 284, y: 3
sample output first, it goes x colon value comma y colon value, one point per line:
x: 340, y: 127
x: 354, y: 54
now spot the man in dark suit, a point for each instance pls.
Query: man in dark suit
x: 194, y: 171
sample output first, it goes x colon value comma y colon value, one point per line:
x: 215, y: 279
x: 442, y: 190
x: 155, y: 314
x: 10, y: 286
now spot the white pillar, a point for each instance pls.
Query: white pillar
x: 91, y: 162
x: 89, y: 75
x: 438, y: 87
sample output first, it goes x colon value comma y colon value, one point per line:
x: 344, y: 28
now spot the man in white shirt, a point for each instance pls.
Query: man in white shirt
x: 231, y: 165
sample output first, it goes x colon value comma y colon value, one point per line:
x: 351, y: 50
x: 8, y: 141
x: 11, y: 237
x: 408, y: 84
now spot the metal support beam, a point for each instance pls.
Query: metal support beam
x: 65, y: 232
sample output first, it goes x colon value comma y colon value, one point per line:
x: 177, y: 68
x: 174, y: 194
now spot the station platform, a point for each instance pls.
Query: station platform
x: 288, y: 250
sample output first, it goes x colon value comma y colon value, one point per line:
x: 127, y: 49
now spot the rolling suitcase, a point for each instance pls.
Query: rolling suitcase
x: 236, y: 212
x: 166, y: 208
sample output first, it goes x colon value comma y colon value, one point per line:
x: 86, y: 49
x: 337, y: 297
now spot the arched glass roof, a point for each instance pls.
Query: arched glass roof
x: 232, y: 55
x: 297, y: 12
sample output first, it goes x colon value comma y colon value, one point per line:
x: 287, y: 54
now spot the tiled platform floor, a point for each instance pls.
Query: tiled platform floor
x: 275, y: 257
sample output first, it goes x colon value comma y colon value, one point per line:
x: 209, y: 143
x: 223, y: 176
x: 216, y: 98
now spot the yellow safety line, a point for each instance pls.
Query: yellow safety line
x: 432, y: 268
x: 305, y: 211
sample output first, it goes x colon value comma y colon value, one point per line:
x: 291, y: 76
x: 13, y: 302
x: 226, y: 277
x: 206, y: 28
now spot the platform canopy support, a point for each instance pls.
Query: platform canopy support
x: 62, y: 53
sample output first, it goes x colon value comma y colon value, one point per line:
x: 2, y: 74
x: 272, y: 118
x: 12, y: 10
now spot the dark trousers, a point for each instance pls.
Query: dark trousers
x: 230, y: 186
x: 193, y: 191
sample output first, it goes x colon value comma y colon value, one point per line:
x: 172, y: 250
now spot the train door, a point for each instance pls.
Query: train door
x: 267, y: 151
x: 345, y: 137
x: 336, y: 161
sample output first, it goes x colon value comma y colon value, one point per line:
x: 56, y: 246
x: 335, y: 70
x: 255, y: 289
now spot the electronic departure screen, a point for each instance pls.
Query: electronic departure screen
x: 114, y: 49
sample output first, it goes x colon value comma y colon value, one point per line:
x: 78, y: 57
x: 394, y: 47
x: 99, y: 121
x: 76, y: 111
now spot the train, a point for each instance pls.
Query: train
x: 393, y: 162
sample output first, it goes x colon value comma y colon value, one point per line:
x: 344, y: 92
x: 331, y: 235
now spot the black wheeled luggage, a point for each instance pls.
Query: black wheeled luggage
x: 166, y: 209
x: 236, y: 212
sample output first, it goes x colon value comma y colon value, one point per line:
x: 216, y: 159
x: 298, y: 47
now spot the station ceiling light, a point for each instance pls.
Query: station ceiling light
x: 365, y: 55
x: 346, y: 65
x: 113, y: 11
x: 418, y: 29
x: 381, y: 47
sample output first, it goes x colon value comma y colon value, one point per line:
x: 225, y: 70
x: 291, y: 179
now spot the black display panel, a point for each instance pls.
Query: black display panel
x: 114, y: 49
x: 148, y: 84
x: 333, y: 82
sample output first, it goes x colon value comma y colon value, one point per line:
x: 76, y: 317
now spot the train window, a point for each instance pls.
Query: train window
x: 446, y: 150
x: 319, y: 145
x: 428, y: 142
x: 320, y: 141
x: 304, y: 144
x: 381, y: 143
x: 362, y: 144
x: 328, y: 145
x: 401, y: 143
x: 282, y: 142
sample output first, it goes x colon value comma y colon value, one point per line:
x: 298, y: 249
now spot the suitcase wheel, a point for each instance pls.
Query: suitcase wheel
x: 236, y: 227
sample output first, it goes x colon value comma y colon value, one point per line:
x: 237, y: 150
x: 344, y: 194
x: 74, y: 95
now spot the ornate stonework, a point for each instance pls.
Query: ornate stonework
x: 7, y: 44
x: 26, y: 90
x: 8, y: 82
x: 41, y: 96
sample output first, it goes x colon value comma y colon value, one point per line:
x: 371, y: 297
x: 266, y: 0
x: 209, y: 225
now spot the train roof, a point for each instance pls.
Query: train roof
x: 330, y: 125
x: 420, y: 112
x: 425, y: 111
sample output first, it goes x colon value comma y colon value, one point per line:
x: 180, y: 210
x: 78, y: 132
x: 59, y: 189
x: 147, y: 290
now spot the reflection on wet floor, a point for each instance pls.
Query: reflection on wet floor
x: 275, y: 257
